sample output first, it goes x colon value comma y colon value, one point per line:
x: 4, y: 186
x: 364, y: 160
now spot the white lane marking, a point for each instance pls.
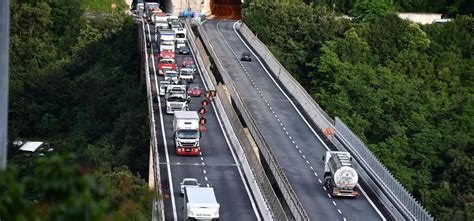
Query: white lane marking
x: 286, y: 132
x: 338, y: 210
x: 307, y: 162
x: 311, y: 167
x: 299, y: 113
x: 300, y: 151
x: 344, y: 219
x: 208, y: 185
x: 178, y: 163
x: 205, y: 178
x: 284, y: 128
x: 202, y: 158
x: 290, y: 137
x: 293, y: 141
x: 255, y: 210
x: 316, y: 174
x: 170, y: 179
x: 304, y: 156
x: 204, y: 171
x: 329, y: 195
x: 320, y: 181
x: 334, y: 203
x: 324, y: 188
x: 297, y: 147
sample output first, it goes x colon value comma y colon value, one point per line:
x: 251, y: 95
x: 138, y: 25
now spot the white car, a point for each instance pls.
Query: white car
x: 163, y: 86
x: 171, y: 76
x: 188, y: 182
x: 186, y: 74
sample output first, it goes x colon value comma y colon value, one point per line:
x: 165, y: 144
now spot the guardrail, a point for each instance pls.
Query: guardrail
x: 381, y: 180
x: 157, y: 207
x: 267, y: 201
x: 290, y: 196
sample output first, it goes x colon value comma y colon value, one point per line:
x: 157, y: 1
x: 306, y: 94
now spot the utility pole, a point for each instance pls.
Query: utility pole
x: 4, y: 45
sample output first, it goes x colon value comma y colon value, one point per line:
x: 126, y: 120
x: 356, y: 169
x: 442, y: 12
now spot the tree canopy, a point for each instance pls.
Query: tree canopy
x: 75, y: 83
x: 405, y: 89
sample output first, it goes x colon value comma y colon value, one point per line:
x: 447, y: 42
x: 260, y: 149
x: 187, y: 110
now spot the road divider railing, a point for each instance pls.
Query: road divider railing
x: 395, y: 199
x: 158, y: 206
x: 291, y: 199
x: 265, y: 197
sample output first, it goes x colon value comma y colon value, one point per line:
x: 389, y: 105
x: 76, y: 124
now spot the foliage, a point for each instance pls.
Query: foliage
x: 103, y: 5
x: 76, y: 85
x: 451, y: 7
x: 403, y: 88
x: 369, y: 10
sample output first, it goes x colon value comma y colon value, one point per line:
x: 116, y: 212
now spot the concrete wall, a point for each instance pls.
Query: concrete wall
x: 422, y: 18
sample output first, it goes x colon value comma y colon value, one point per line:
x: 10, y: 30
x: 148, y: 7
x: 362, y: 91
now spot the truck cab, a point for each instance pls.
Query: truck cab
x: 166, y: 64
x: 186, y: 132
x: 176, y: 102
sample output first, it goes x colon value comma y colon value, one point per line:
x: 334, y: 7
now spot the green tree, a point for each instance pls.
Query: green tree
x: 369, y: 10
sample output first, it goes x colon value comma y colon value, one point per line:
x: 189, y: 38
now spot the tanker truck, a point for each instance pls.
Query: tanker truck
x: 339, y: 176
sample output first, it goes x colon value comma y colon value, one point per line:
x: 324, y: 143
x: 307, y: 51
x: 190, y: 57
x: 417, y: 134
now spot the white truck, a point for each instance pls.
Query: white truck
x: 176, y: 102
x: 180, y: 36
x: 167, y: 40
x: 160, y: 20
x: 339, y: 175
x: 200, y: 204
x: 186, y: 133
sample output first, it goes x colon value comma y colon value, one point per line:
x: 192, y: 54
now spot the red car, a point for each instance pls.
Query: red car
x: 194, y: 91
x: 187, y: 61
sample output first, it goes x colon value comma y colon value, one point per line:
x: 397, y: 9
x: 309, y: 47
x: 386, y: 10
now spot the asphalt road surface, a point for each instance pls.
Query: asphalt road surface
x: 216, y: 167
x: 298, y: 149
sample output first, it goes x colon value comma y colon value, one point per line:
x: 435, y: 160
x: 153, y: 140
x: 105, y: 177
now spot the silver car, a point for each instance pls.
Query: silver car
x: 188, y: 182
x: 163, y: 86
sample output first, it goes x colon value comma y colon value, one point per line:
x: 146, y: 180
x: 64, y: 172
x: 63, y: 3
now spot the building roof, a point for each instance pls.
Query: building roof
x: 31, y: 146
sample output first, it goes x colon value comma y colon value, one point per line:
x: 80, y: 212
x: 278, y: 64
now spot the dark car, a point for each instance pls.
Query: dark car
x: 184, y: 50
x: 246, y: 56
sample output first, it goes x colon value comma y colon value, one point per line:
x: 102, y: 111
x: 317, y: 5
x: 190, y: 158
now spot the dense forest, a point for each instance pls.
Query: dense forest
x: 75, y: 83
x: 405, y: 89
x: 446, y: 7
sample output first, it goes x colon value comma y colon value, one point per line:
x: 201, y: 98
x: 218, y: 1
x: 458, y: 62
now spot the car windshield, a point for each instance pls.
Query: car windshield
x: 190, y: 182
x: 185, y: 72
x: 188, y: 134
x: 166, y: 61
x: 192, y: 66
x: 176, y: 99
x: 195, y: 88
x: 171, y: 74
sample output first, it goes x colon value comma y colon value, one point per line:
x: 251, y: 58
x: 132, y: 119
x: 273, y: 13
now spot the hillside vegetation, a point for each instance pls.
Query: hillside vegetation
x: 405, y: 89
x: 75, y: 84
